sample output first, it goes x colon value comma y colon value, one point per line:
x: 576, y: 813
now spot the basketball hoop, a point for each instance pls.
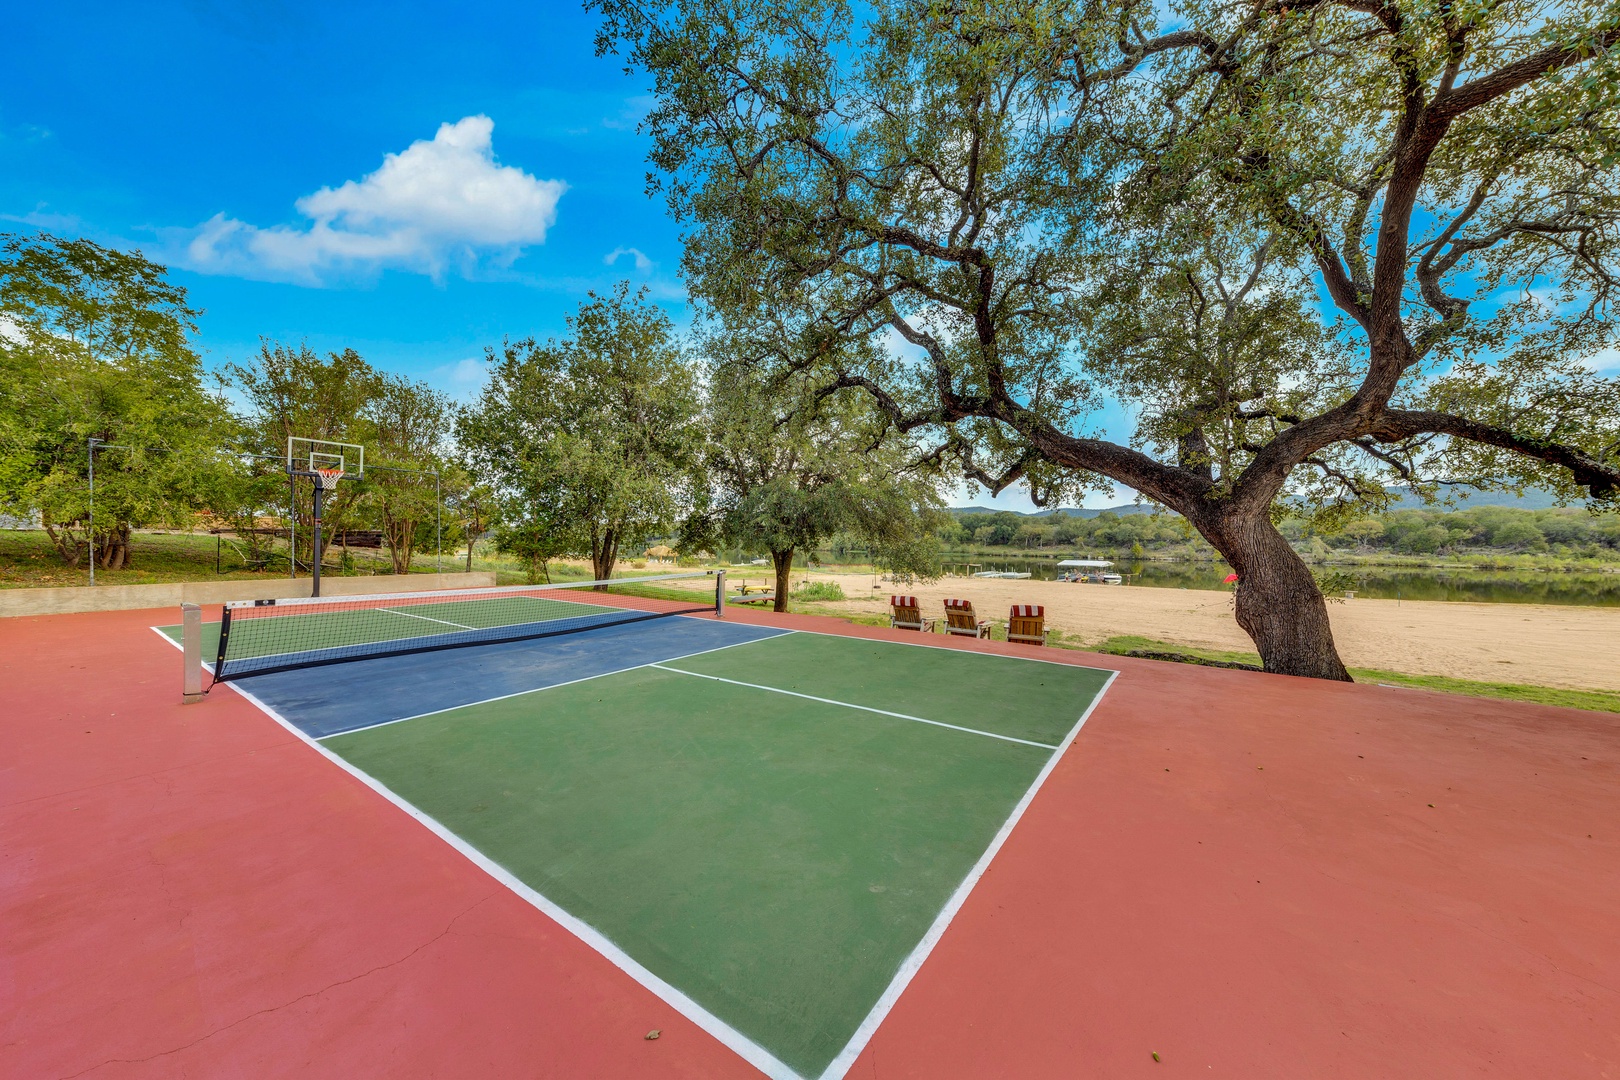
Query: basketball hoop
x: 327, y: 479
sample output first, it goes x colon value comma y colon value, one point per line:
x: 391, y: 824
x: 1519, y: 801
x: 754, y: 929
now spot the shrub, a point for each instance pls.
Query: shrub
x: 819, y: 590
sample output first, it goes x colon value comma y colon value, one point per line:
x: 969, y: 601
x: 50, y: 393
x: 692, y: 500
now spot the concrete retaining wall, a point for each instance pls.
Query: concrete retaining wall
x: 127, y: 597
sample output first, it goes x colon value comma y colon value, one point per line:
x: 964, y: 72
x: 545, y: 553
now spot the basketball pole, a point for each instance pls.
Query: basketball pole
x: 315, y: 563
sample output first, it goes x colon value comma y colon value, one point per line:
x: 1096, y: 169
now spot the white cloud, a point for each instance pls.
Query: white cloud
x: 631, y: 113
x: 1604, y: 361
x: 462, y: 380
x: 40, y: 218
x: 437, y: 202
x: 641, y: 261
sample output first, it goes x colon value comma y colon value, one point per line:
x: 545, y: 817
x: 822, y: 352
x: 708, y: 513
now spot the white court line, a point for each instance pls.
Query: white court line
x: 549, y: 686
x: 728, y: 1036
x: 939, y: 647
x: 851, y: 705
x: 913, y: 963
x: 429, y: 618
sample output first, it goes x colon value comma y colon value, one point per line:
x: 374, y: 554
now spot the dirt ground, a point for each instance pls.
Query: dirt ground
x: 1536, y: 644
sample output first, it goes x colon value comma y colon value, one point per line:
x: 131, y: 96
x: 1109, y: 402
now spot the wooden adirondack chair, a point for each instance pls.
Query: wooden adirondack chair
x: 960, y: 620
x: 906, y: 614
x: 1027, y: 624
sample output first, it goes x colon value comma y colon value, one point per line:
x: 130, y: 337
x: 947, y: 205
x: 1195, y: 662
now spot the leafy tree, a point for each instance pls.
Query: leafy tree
x: 1000, y: 186
x: 793, y: 468
x: 1523, y: 535
x: 293, y: 392
x: 471, y: 505
x: 409, y: 425
x: 94, y: 343
x: 591, y: 440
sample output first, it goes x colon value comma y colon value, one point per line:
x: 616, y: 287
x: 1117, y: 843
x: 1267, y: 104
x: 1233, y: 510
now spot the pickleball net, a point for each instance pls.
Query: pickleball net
x: 257, y: 637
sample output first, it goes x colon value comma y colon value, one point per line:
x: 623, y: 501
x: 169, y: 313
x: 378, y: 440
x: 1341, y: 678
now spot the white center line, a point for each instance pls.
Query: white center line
x: 851, y: 705
x: 428, y: 618
x: 531, y: 690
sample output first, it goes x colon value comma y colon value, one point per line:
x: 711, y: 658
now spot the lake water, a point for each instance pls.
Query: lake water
x: 1379, y: 582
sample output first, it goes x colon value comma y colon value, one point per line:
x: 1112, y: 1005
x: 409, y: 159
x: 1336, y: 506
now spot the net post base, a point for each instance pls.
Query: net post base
x: 191, y: 648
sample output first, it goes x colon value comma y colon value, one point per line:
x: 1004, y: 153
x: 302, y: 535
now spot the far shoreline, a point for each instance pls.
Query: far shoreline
x: 1566, y: 646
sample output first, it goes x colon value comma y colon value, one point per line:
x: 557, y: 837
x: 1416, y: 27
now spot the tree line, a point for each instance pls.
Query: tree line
x: 585, y: 445
x: 1476, y: 530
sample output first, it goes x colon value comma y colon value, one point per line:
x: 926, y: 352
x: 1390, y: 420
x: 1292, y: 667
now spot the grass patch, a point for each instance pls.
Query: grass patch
x: 1593, y: 700
x: 28, y: 561
x: 1125, y: 644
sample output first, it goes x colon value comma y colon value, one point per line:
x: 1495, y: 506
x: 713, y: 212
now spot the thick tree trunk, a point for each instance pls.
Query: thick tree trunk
x: 1277, y: 602
x: 401, y: 537
x: 783, y: 561
x: 67, y: 544
x: 112, y: 550
x: 604, y: 554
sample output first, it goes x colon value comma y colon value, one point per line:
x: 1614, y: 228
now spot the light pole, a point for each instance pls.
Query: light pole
x: 91, y: 445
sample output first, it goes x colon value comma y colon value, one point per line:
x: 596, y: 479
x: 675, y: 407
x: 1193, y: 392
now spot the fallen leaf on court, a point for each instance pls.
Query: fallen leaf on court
x: 653, y: 1034
x: 1155, y: 1055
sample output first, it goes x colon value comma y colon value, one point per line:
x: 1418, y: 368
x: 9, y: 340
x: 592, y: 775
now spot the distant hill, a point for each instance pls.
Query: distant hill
x: 1128, y: 508
x: 1532, y: 499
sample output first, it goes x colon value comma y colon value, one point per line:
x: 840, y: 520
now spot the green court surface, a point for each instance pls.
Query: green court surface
x: 775, y: 857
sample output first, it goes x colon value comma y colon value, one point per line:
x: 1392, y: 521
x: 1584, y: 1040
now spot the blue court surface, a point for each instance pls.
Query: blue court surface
x: 326, y: 701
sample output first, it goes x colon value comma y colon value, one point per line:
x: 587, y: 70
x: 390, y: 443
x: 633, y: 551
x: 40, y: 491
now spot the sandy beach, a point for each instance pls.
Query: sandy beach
x: 1542, y: 645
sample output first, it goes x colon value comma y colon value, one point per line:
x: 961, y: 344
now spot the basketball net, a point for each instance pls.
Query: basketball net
x: 327, y: 479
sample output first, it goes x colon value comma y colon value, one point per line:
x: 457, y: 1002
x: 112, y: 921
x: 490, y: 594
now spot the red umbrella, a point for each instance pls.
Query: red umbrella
x: 1230, y: 578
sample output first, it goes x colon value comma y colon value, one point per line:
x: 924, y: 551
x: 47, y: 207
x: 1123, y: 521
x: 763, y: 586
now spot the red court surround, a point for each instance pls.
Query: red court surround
x: 1239, y: 872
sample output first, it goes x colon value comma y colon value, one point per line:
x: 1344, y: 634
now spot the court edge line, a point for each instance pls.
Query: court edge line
x: 941, y: 648
x: 542, y: 689
x: 913, y: 963
x: 429, y: 618
x: 850, y: 705
x: 730, y: 1037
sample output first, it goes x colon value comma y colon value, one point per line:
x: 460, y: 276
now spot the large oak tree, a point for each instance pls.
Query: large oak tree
x: 1053, y: 202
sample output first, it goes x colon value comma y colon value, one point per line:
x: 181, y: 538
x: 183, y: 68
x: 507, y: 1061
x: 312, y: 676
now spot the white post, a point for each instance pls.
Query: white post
x: 720, y: 594
x: 191, y: 645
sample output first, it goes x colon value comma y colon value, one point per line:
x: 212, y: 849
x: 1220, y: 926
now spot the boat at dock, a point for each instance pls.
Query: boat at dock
x: 1090, y: 571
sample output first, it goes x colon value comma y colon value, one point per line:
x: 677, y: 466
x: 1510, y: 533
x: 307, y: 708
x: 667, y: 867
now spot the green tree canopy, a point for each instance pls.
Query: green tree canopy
x: 409, y: 425
x: 591, y: 440
x: 294, y: 392
x: 95, y: 343
x: 792, y: 467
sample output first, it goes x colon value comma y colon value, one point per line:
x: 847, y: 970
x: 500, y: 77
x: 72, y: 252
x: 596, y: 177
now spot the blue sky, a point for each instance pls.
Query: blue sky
x: 414, y: 181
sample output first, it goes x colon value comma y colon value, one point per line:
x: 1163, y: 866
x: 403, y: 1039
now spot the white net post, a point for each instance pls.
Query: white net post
x: 720, y: 594
x: 191, y: 647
